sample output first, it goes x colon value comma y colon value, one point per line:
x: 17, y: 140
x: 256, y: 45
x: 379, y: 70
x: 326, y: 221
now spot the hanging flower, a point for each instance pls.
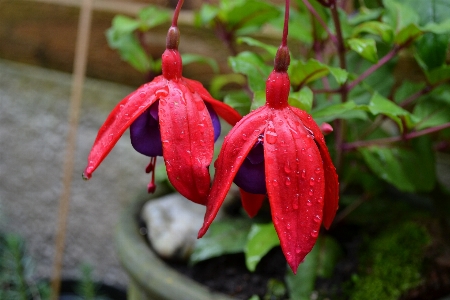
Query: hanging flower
x: 280, y: 151
x: 171, y: 116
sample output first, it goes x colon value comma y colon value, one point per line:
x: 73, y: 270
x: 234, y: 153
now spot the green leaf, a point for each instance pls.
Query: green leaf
x: 431, y: 11
x: 152, y: 16
x: 364, y: 47
x: 321, y: 262
x: 206, y: 14
x: 440, y: 28
x: 408, y: 34
x: 301, y: 73
x: 302, y: 99
x: 399, y: 15
x: 432, y: 111
x: 261, y: 239
x: 431, y: 50
x: 383, y: 30
x: 347, y: 110
x: 251, y: 65
x: 129, y: 48
x: 195, y: 58
x: 259, y: 99
x: 220, y: 81
x: 438, y: 75
x: 409, y: 170
x: 223, y: 237
x: 272, y: 50
x: 238, y: 100
x: 380, y: 105
x: 339, y: 74
x: 248, y: 16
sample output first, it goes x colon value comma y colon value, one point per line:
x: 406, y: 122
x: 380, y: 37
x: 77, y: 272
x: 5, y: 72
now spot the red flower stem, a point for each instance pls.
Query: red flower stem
x: 320, y: 20
x: 408, y: 136
x: 176, y: 13
x: 286, y: 24
x: 374, y: 67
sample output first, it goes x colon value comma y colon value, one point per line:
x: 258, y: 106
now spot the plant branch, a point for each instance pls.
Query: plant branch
x: 408, y: 136
x: 320, y: 20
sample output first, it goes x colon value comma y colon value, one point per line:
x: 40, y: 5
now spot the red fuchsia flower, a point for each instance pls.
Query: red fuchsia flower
x: 171, y: 116
x: 280, y: 151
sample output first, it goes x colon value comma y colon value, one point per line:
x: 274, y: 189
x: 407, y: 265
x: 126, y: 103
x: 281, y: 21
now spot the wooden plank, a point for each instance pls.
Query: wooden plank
x: 43, y: 33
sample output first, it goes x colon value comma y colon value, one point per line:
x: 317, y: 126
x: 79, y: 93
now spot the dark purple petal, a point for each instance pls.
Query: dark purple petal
x: 145, y: 135
x: 215, y: 121
x: 251, y: 176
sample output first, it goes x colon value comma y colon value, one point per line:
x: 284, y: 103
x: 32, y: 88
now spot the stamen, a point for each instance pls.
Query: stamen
x: 151, y: 187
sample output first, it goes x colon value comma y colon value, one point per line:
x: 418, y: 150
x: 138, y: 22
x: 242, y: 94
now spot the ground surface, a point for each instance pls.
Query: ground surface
x: 33, y: 115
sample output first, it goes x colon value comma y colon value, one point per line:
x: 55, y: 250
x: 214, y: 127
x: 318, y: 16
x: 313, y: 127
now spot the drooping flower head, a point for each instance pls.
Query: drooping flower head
x: 170, y: 116
x: 279, y: 151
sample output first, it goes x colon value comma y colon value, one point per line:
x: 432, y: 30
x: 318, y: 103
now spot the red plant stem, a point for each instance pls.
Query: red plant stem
x: 374, y: 67
x: 408, y: 136
x: 286, y: 24
x: 177, y: 13
x: 320, y: 20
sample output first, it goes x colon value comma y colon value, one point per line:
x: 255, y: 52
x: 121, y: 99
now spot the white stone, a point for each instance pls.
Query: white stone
x: 173, y: 223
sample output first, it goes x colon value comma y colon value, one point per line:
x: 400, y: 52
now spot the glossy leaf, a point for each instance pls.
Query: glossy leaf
x: 272, y: 50
x: 380, y: 105
x: 406, y: 169
x: 431, y: 50
x: 303, y: 72
x: 383, y: 30
x: 408, y: 34
x: 364, y: 47
x: 251, y: 65
x: 223, y: 237
x: 261, y: 239
x: 399, y: 15
x: 302, y: 99
x: 432, y: 111
x: 431, y: 11
x: 195, y: 58
x: 332, y: 112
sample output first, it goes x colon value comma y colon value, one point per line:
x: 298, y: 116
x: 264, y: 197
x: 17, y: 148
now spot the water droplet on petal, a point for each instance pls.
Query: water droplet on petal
x: 162, y: 102
x: 161, y: 93
x: 200, y: 105
x: 317, y: 219
x: 287, y: 167
x: 308, y: 203
x: 303, y: 173
x: 288, y: 181
x: 244, y: 137
x: 275, y: 182
x: 311, y: 181
x: 314, y: 233
x: 317, y: 171
x: 297, y: 250
x: 288, y: 225
x: 311, y: 192
x: 271, y: 135
x: 142, y: 94
x: 320, y: 200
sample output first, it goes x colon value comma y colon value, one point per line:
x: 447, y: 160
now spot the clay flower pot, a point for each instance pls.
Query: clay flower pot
x: 150, y: 277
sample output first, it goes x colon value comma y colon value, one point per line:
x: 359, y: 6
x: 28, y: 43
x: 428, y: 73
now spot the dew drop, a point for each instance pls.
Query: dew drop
x: 308, y: 203
x: 297, y: 250
x: 317, y: 219
x: 288, y: 181
x: 303, y: 173
x: 311, y: 181
x: 317, y: 171
x: 161, y: 93
x: 143, y: 94
x: 287, y: 167
x: 311, y: 192
x: 271, y: 137
x: 244, y: 137
x: 310, y: 157
x: 320, y: 200
x: 275, y: 182
x: 288, y: 225
x: 314, y: 233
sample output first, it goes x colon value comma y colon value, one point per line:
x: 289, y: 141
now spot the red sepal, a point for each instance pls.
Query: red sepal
x: 236, y: 146
x: 120, y: 118
x: 295, y: 185
x: 331, y: 197
x: 251, y: 202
